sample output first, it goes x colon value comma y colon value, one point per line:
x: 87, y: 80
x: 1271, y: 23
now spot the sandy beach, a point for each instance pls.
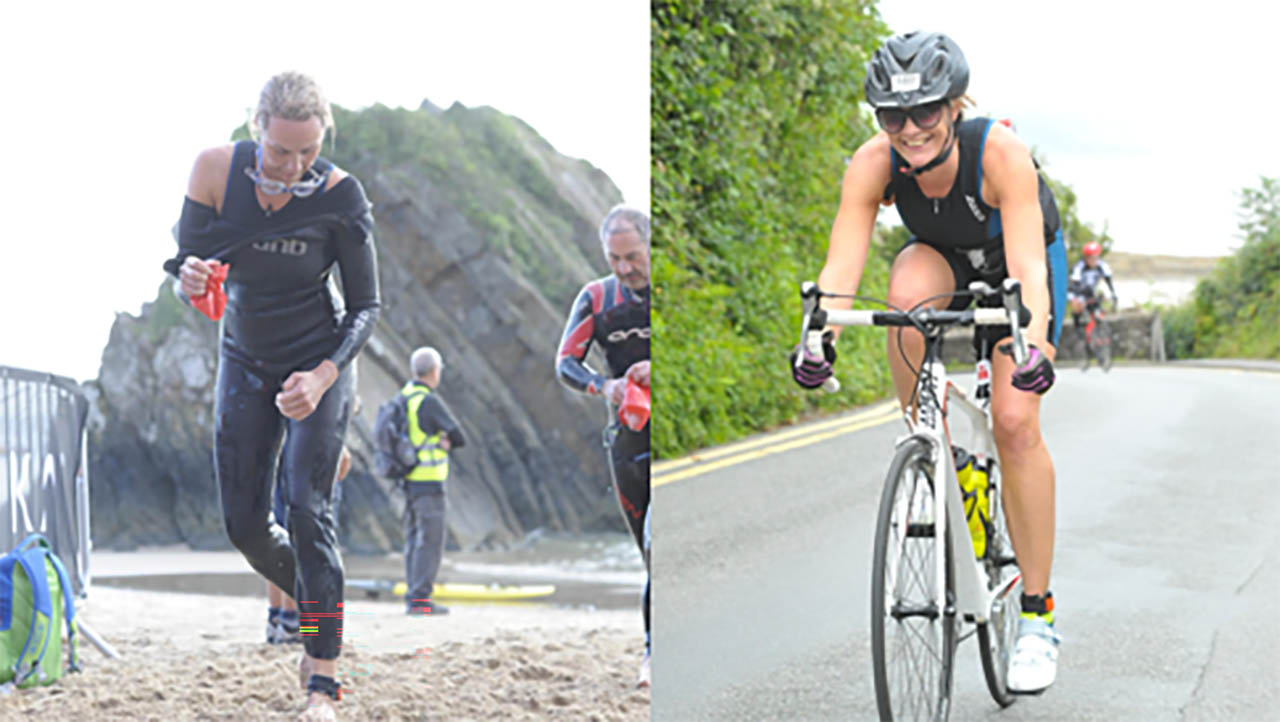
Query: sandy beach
x: 202, y: 657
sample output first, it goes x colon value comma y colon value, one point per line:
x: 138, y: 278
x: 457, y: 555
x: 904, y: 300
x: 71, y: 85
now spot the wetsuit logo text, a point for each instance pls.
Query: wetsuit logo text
x: 622, y: 335
x: 287, y: 246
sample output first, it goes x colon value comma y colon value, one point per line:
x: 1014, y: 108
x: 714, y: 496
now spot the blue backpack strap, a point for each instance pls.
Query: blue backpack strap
x: 6, y: 590
x: 35, y: 537
x: 69, y: 606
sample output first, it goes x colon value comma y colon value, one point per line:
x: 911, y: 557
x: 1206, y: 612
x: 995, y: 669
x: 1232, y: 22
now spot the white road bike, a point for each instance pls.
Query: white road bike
x: 929, y: 589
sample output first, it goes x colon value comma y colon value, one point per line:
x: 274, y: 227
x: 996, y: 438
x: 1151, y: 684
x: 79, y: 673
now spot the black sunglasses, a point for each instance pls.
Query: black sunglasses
x: 926, y: 116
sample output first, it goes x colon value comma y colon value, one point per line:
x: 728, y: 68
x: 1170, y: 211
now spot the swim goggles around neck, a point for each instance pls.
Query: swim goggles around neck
x: 301, y: 189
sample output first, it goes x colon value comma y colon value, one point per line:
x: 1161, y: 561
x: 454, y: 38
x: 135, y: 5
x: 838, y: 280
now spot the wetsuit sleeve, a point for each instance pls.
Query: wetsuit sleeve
x: 359, y: 267
x: 574, y: 344
x: 195, y: 217
x: 434, y: 416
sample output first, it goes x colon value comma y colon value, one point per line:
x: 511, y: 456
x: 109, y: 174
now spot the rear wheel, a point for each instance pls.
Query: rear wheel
x: 998, y: 635
x: 913, y: 622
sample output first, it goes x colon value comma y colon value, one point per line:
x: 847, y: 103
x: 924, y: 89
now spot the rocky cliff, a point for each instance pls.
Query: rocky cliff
x: 484, y: 235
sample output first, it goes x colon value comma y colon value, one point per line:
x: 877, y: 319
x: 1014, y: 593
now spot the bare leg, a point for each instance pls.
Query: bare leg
x: 1028, y: 474
x: 275, y: 597
x: 918, y: 273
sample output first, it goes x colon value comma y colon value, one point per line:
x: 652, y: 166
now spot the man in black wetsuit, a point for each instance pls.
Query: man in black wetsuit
x: 434, y: 433
x: 614, y: 312
x: 281, y: 218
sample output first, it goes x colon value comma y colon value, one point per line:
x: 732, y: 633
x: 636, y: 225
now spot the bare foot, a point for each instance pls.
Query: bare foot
x: 319, y: 709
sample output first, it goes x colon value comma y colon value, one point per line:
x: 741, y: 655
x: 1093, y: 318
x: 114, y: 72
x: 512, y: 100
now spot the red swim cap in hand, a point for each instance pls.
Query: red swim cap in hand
x: 634, y: 412
x: 214, y: 300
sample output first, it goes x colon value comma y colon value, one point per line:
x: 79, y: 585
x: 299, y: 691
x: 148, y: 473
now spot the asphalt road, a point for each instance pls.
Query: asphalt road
x: 1166, y: 571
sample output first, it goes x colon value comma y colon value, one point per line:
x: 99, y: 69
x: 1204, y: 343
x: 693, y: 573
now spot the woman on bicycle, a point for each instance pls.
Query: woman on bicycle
x: 971, y: 195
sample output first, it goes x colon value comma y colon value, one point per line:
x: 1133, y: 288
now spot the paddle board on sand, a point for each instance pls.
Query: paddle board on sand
x: 457, y: 590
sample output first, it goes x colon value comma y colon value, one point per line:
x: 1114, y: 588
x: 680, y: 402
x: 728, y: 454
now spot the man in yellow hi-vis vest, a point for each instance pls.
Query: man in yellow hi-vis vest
x: 433, y: 431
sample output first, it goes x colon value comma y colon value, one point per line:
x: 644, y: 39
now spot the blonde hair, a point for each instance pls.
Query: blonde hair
x: 292, y: 96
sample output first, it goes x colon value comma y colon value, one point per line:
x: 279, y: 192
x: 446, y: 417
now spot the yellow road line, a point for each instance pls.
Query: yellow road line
x: 700, y: 457
x: 849, y: 425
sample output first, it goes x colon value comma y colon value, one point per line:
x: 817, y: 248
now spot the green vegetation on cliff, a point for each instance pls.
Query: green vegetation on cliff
x: 755, y: 109
x: 1235, y: 311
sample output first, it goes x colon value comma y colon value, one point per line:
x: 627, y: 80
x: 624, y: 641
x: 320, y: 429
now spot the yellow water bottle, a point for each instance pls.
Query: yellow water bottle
x: 972, y: 474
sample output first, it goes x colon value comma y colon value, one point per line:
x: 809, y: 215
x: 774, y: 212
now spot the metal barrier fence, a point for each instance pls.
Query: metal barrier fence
x: 44, y: 479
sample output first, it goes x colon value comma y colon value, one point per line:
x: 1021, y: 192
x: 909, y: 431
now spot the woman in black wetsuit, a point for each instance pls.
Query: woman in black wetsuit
x: 281, y: 217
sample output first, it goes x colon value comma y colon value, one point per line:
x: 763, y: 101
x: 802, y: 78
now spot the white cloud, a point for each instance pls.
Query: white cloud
x: 1156, y: 114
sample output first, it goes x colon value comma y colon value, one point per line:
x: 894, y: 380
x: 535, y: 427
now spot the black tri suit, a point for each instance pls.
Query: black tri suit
x: 284, y: 314
x: 608, y: 313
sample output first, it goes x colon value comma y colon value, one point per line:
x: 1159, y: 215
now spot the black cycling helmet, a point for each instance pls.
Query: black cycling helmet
x: 916, y: 68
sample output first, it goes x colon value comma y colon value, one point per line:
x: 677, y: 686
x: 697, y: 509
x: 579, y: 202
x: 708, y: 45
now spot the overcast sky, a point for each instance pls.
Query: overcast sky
x: 1157, y: 114
x: 107, y: 105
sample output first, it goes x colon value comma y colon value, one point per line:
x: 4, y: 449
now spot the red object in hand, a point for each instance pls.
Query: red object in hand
x: 634, y: 412
x: 214, y: 300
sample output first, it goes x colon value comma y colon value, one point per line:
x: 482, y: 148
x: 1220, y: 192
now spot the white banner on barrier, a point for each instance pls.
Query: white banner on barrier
x: 44, y: 484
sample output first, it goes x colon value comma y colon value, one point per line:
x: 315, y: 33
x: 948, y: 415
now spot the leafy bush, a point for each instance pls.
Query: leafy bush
x: 755, y: 110
x: 1235, y: 311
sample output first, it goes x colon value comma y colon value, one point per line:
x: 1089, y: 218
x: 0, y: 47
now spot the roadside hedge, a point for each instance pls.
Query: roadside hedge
x: 755, y: 111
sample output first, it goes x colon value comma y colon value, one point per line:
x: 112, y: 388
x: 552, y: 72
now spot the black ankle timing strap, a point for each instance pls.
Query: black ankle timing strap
x: 325, y: 685
x: 1041, y: 604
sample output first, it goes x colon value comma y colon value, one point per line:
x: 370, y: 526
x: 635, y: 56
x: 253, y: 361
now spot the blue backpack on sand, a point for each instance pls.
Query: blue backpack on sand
x: 35, y: 600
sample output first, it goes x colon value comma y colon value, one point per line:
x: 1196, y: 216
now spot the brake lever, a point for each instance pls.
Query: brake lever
x: 811, y: 339
x: 809, y: 302
x: 1012, y: 292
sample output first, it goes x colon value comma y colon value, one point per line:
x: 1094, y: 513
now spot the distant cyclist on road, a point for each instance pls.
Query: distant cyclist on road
x: 614, y: 312
x: 1083, y: 284
x: 970, y: 194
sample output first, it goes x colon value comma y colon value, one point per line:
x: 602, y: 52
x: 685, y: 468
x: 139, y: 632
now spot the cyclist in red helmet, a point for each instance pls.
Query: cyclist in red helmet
x: 1083, y: 283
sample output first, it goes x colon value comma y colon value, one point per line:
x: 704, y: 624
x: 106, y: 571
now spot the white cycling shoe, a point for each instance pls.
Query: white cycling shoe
x: 1034, y: 664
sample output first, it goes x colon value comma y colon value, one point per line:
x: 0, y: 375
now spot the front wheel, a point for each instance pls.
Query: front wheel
x: 913, y: 621
x: 996, y: 638
x: 1102, y: 344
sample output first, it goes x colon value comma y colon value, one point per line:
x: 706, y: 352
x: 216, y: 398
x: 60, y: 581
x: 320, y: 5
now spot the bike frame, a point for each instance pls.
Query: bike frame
x: 1096, y: 314
x: 960, y: 594
x: 973, y: 602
